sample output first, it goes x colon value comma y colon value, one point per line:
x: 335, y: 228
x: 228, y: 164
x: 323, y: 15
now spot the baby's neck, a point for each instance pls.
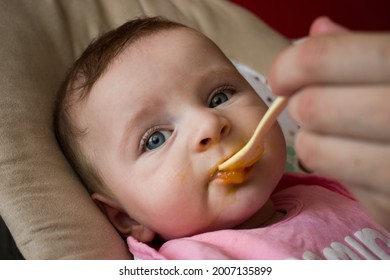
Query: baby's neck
x: 265, y: 216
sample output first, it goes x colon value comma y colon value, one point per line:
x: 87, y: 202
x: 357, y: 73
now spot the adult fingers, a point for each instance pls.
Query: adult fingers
x: 355, y: 162
x: 345, y: 58
x: 361, y: 112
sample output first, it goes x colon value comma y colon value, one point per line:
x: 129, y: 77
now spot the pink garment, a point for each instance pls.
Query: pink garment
x: 322, y: 221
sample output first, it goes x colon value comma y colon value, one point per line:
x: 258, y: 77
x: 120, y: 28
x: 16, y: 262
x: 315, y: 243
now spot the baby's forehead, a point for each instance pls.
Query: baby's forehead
x: 160, y: 63
x: 172, y: 36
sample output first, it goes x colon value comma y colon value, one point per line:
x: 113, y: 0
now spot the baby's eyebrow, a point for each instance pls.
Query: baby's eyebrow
x: 223, y: 75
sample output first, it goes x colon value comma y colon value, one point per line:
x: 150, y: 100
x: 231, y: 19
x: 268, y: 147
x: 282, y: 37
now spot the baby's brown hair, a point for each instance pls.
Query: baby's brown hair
x: 83, y: 74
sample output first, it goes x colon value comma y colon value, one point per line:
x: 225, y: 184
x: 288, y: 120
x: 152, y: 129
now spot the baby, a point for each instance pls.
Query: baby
x: 146, y: 115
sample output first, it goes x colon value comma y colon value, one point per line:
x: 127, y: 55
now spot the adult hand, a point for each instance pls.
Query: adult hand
x: 340, y: 87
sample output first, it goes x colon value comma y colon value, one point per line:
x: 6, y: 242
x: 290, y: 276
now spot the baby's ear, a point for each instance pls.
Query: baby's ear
x: 121, y: 220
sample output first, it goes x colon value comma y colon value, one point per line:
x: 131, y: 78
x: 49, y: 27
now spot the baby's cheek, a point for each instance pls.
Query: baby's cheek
x: 180, y: 178
x: 181, y: 175
x: 185, y: 185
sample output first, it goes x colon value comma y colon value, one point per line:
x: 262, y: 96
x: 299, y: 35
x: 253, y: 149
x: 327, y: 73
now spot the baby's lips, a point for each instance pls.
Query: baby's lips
x: 231, y: 177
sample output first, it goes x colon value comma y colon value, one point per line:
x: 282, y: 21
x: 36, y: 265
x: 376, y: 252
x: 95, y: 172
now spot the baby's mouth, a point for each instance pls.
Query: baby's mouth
x: 230, y: 177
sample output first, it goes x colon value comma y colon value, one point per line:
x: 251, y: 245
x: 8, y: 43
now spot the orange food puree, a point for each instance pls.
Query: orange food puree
x: 232, y: 176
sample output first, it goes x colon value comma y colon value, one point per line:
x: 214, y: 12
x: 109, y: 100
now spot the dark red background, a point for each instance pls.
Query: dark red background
x: 292, y: 18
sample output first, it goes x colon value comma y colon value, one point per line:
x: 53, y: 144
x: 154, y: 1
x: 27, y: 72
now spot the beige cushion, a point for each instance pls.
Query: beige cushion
x: 41, y: 199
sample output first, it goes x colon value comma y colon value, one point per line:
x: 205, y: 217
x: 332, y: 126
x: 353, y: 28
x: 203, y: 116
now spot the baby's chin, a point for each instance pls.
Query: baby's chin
x: 243, y: 220
x: 251, y: 215
x: 219, y: 224
x: 259, y: 218
x: 243, y: 223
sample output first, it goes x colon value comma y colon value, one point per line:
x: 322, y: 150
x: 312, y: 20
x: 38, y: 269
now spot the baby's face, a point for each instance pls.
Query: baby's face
x: 161, y: 119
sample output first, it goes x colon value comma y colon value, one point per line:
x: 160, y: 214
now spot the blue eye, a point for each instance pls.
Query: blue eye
x: 156, y: 139
x: 219, y: 98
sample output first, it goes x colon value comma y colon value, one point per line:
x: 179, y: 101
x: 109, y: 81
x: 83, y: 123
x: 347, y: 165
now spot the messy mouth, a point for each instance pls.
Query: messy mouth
x: 231, y: 177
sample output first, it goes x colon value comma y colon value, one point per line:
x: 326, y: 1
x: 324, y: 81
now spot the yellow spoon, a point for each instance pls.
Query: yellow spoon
x: 254, y: 149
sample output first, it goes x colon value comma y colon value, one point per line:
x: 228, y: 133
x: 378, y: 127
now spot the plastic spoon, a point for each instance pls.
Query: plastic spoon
x: 254, y: 149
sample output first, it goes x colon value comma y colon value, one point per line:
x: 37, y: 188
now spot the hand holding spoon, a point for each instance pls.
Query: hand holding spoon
x: 254, y: 149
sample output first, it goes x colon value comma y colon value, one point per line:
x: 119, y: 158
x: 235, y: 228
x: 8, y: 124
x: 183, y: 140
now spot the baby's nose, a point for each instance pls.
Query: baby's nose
x: 211, y: 130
